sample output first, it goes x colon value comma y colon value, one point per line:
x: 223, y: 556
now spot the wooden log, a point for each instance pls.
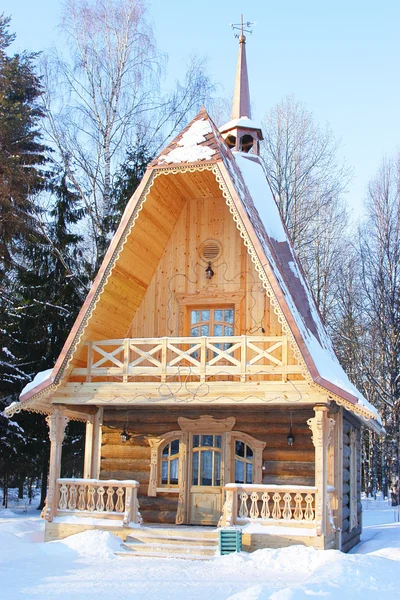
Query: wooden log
x: 346, y: 546
x: 138, y: 465
x: 279, y: 467
x: 288, y: 455
x: 346, y: 475
x: 125, y: 452
x: 346, y: 451
x: 346, y: 512
x: 287, y: 480
x: 153, y: 516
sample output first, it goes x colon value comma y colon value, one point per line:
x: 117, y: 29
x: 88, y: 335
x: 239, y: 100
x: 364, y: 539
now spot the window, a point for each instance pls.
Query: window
x: 244, y: 462
x: 170, y: 464
x: 206, y: 460
x: 214, y: 322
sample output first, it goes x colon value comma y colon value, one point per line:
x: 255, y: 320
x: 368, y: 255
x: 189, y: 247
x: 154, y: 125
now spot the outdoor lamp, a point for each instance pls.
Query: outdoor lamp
x: 209, y: 271
x: 124, y: 434
x: 290, y: 437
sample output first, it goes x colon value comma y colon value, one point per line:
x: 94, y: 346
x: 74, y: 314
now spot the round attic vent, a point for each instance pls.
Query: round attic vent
x: 210, y: 250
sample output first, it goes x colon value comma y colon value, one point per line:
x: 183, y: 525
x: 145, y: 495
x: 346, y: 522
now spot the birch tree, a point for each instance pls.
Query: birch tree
x: 309, y: 182
x: 104, y: 94
x: 380, y: 261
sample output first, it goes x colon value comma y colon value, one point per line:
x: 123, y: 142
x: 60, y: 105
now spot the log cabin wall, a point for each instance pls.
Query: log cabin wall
x: 350, y: 536
x: 131, y: 460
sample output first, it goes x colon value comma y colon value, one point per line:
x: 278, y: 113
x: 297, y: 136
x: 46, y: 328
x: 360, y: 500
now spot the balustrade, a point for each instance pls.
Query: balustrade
x: 175, y: 357
x: 108, y: 498
x: 269, y: 504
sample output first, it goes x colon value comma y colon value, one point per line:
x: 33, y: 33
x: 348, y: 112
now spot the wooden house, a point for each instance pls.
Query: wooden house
x: 201, y: 366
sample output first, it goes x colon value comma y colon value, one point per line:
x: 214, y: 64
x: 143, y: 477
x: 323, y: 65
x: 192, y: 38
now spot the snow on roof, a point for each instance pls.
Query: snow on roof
x: 242, y: 122
x: 278, y: 249
x: 38, y: 379
x: 188, y: 147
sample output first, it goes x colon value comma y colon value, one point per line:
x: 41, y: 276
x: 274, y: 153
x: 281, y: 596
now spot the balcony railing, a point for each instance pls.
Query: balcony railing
x: 269, y: 505
x: 110, y: 499
x: 170, y: 358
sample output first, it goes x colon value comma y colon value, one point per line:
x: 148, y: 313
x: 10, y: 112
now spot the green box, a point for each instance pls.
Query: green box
x: 229, y: 540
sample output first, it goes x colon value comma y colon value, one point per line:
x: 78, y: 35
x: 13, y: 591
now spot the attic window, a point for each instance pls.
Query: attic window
x: 246, y: 143
x: 210, y: 250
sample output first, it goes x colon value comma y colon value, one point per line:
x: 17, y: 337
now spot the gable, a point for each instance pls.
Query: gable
x: 201, y: 168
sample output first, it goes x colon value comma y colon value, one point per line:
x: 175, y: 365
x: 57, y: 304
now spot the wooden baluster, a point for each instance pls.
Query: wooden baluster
x: 82, y: 498
x: 243, y: 346
x: 89, y: 362
x: 287, y: 511
x: 203, y: 359
x: 100, y: 499
x: 243, y: 511
x: 276, y: 511
x: 254, y: 512
x: 73, y: 493
x: 309, y: 512
x: 298, y: 511
x: 265, y: 513
x: 110, y: 499
x: 164, y: 350
x: 91, y: 505
x: 127, y: 345
x: 63, y: 497
x: 119, y: 507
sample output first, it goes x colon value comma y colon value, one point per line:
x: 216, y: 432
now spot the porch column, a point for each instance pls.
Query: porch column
x: 96, y: 451
x: 57, y: 423
x: 87, y: 465
x: 321, y: 427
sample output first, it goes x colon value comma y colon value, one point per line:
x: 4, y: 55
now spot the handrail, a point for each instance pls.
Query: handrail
x: 269, y: 504
x: 98, y: 497
x: 199, y: 357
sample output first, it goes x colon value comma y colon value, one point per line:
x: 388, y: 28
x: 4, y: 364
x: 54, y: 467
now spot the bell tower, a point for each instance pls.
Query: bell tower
x: 241, y: 133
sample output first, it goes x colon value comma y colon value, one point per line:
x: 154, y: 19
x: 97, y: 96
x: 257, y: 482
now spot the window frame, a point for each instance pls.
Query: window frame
x: 209, y: 298
x: 157, y: 446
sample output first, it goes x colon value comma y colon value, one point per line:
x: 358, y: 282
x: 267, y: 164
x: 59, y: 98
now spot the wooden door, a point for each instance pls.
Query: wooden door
x: 205, y: 478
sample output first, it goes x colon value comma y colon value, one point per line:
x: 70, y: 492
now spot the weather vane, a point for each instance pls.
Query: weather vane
x: 242, y: 27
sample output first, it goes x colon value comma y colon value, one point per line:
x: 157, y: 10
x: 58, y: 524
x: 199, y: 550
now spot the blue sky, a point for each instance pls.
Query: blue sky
x: 340, y: 58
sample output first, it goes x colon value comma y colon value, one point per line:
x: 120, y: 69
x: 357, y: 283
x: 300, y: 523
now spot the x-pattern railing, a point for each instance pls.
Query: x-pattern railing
x: 199, y: 357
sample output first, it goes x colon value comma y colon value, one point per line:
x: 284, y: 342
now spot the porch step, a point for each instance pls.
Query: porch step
x: 180, y: 540
x: 184, y: 543
x: 149, y: 554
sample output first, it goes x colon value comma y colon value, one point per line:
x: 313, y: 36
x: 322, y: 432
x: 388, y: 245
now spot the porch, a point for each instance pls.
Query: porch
x: 269, y: 516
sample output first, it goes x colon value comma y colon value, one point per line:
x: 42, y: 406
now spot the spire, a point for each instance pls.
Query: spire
x: 241, y: 94
x: 241, y: 133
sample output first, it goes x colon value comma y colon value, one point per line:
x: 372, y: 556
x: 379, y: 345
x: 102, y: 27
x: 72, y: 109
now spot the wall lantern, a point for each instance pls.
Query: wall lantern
x: 290, y: 437
x: 124, y: 434
x: 209, y: 271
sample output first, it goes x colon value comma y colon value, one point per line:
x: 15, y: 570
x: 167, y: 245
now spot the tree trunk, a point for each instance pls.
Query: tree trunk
x: 43, y: 489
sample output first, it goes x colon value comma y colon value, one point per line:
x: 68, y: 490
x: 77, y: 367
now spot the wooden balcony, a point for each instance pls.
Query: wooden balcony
x: 170, y: 359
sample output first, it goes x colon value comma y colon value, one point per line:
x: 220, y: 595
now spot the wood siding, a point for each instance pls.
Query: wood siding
x: 284, y: 465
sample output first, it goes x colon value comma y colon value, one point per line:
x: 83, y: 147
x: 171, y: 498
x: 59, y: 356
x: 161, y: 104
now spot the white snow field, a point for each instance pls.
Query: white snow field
x: 84, y: 566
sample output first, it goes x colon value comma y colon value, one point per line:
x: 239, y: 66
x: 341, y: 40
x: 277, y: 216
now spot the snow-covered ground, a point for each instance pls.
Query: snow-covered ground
x: 84, y: 566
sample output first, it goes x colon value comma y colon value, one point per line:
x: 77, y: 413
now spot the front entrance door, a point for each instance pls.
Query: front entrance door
x: 205, y: 478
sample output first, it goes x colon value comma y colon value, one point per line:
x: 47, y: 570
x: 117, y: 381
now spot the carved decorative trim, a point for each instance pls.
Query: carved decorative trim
x: 206, y: 424
x: 156, y: 444
x: 210, y: 295
x: 353, y: 521
x: 257, y: 446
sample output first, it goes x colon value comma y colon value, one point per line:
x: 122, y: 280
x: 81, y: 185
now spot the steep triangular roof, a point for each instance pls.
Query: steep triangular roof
x: 244, y: 185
